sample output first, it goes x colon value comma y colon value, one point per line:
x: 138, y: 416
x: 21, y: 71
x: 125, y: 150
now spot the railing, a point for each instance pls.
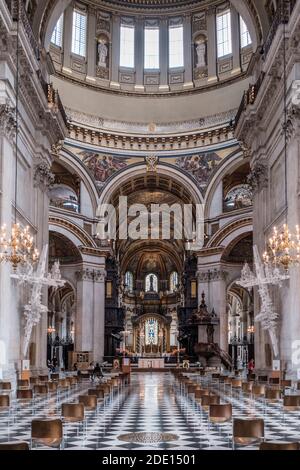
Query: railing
x: 17, y: 10
x: 282, y: 16
x: 249, y: 97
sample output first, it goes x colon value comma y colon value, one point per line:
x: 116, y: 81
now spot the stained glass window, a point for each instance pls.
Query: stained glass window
x: 151, y: 331
x: 129, y: 281
x: 173, y: 281
x: 151, y: 283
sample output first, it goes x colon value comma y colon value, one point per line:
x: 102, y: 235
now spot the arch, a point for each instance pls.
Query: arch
x: 230, y: 232
x: 139, y: 170
x: 72, y: 163
x: 71, y: 231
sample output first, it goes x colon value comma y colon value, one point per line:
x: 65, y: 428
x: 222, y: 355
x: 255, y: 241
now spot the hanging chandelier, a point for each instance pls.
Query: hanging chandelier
x: 17, y: 248
x: 284, y: 248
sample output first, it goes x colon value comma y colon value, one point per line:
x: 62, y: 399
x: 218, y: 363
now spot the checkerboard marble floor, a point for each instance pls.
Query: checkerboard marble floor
x: 152, y: 403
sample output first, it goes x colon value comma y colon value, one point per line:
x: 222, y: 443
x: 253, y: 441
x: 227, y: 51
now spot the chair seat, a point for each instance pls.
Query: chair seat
x: 48, y: 441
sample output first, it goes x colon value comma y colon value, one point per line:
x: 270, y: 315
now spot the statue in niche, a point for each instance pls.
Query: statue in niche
x: 102, y: 53
x: 201, y: 52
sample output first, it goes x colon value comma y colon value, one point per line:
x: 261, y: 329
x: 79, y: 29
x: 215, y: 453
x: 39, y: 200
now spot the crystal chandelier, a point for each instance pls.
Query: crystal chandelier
x: 284, y: 248
x: 17, y: 247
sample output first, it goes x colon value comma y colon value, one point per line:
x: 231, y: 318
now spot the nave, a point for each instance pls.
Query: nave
x: 158, y: 411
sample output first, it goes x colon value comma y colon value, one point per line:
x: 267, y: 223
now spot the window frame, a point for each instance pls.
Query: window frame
x: 170, y: 28
x: 74, y: 40
x: 223, y: 42
x: 54, y: 32
x: 124, y: 26
x: 157, y: 57
x: 244, y: 33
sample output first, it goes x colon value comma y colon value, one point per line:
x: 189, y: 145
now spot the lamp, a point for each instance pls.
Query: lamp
x: 17, y: 247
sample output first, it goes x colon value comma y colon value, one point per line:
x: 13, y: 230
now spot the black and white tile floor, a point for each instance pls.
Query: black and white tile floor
x: 153, y: 404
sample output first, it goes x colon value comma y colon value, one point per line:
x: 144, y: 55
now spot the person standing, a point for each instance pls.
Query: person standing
x: 251, y: 367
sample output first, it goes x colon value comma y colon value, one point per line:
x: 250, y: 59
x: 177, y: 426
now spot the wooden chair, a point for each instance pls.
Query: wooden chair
x: 247, y: 431
x: 47, y: 432
x: 23, y: 383
x: 89, y: 402
x: 279, y: 446
x: 14, y: 445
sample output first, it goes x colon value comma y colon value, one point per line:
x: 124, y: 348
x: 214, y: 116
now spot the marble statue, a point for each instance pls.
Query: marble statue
x: 201, y: 54
x: 102, y: 54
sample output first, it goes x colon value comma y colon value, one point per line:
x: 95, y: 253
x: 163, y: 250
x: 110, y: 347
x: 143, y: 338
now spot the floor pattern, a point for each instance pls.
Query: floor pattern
x: 152, y: 404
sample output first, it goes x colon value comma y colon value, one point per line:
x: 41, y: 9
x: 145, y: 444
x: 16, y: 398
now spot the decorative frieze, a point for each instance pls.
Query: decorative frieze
x: 85, y: 274
x: 212, y: 275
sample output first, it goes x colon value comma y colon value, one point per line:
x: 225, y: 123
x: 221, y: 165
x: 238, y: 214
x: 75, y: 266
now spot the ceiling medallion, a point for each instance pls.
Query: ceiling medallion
x: 148, y: 437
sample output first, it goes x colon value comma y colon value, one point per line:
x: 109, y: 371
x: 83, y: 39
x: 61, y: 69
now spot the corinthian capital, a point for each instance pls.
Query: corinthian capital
x: 7, y: 121
x: 99, y: 275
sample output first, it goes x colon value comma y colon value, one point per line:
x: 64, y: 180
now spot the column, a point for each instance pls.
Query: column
x: 212, y: 46
x: 84, y: 325
x: 115, y: 52
x: 163, y: 55
x: 236, y: 41
x: 187, y: 41
x: 219, y: 296
x: 67, y: 39
x: 91, y: 45
x: 139, y: 54
x: 7, y: 312
x: 99, y: 314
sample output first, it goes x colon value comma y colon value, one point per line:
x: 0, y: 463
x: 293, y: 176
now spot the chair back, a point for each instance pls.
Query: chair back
x: 206, y: 401
x: 4, y: 401
x: 48, y: 432
x: 285, y: 383
x: 24, y: 394
x: 97, y: 392
x: 73, y: 411
x: 220, y: 413
x: 291, y: 402
x: 272, y: 395
x: 259, y: 390
x: 279, y: 446
x: 5, y: 385
x: 263, y: 378
x: 201, y: 393
x: 22, y: 383
x: 40, y: 389
x: 54, y: 376
x: 89, y: 401
x: 52, y: 386
x: 274, y: 380
x: 33, y: 380
x: 43, y: 378
x: 236, y: 383
x: 14, y: 445
x: 248, y: 431
x: 247, y: 387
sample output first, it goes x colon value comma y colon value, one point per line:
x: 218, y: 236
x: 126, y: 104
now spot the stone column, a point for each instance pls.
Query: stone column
x: 219, y: 298
x: 163, y: 55
x: 139, y: 54
x: 91, y: 45
x: 67, y: 39
x: 236, y: 41
x: 8, y: 315
x: 115, y: 52
x: 187, y: 41
x: 99, y: 314
x: 212, y: 46
x: 84, y: 325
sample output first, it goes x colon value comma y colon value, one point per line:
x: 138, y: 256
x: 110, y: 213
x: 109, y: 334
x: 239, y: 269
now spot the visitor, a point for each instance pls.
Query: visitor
x: 97, y: 373
x: 251, y: 367
x: 91, y: 370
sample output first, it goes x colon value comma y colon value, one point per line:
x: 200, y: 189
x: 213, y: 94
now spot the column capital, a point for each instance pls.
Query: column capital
x: 99, y: 275
x: 43, y: 177
x: 85, y: 274
x: 7, y: 121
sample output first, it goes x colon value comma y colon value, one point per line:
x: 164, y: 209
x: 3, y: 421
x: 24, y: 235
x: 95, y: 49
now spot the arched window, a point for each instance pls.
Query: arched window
x: 173, y: 281
x: 129, y: 281
x: 151, y: 283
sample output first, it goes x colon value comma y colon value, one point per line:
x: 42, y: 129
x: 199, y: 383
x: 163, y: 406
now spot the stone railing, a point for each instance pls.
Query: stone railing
x: 249, y: 97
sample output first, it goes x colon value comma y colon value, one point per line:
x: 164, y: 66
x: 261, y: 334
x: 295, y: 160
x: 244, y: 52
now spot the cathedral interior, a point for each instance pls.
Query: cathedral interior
x: 149, y: 213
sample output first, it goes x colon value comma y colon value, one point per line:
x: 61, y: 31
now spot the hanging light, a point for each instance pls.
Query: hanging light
x: 284, y: 248
x: 17, y: 247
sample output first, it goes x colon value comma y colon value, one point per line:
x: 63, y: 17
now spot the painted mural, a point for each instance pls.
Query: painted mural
x: 102, y: 166
x: 200, y: 166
